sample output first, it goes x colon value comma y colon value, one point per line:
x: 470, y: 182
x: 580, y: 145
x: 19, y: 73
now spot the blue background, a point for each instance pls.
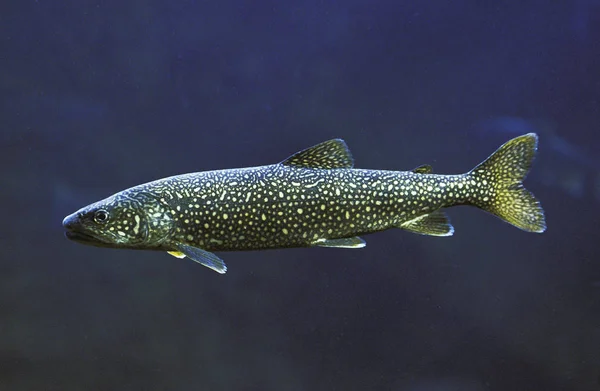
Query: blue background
x: 98, y: 96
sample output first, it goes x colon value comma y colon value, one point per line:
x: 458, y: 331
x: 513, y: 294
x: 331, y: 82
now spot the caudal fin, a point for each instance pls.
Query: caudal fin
x: 501, y: 177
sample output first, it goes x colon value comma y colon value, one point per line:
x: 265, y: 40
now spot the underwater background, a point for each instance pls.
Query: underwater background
x: 98, y: 96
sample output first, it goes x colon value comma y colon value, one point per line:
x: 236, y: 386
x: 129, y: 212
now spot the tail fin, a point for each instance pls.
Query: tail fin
x: 502, y: 174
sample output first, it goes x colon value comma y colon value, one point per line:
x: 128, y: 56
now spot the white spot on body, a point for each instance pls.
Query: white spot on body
x: 314, y: 184
x: 136, y: 227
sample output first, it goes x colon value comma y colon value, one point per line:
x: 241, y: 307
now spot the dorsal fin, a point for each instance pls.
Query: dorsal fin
x: 327, y: 155
x: 423, y: 169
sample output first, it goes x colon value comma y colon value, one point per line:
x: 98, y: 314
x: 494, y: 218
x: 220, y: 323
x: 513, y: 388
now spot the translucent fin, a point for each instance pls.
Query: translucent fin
x: 354, y: 242
x: 423, y: 169
x: 505, y: 171
x: 327, y: 155
x: 177, y: 254
x: 203, y: 257
x: 435, y: 224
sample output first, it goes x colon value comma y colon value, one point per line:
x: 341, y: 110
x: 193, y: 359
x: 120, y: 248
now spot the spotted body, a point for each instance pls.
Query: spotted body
x: 313, y: 198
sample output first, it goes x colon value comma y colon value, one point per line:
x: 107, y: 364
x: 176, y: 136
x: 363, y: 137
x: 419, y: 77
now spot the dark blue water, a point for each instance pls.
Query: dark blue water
x: 97, y: 96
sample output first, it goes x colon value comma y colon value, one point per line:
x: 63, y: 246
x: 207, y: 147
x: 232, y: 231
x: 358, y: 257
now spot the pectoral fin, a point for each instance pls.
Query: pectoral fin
x: 435, y: 224
x: 203, y: 257
x: 354, y: 242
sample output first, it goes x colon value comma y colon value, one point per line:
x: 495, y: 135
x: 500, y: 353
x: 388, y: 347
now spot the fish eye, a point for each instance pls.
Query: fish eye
x: 101, y: 216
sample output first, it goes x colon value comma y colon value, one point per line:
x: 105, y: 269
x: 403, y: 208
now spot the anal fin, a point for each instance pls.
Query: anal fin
x: 203, y: 257
x: 354, y: 242
x: 435, y: 224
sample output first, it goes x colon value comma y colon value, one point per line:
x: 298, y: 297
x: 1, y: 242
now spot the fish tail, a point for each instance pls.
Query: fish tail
x: 500, y: 178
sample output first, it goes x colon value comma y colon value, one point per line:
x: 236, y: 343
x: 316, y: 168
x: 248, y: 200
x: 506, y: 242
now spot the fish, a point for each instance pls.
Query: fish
x: 314, y: 198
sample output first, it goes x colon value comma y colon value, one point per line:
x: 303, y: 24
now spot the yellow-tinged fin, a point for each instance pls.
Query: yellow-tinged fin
x: 327, y: 155
x: 353, y: 242
x: 423, y: 169
x: 505, y: 171
x: 177, y: 254
x: 203, y: 257
x: 435, y: 224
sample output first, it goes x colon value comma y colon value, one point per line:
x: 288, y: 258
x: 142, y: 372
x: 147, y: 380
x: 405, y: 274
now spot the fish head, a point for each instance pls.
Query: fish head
x: 121, y: 221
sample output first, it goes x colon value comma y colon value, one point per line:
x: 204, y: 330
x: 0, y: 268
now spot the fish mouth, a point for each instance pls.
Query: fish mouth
x: 82, y: 238
x: 87, y: 239
x: 74, y: 231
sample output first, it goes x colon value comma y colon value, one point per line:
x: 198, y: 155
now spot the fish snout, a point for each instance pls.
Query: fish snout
x: 70, y: 221
x: 74, y: 230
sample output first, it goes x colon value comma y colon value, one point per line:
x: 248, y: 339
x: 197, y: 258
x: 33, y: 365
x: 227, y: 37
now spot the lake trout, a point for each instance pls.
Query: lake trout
x: 313, y: 198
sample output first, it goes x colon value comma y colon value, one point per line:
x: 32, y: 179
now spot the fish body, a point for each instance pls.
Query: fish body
x: 313, y: 198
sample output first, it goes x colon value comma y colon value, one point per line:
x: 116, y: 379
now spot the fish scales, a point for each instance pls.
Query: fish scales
x: 313, y: 198
x: 277, y: 206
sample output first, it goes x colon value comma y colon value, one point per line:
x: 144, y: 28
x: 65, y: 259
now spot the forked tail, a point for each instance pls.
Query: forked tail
x: 500, y: 177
